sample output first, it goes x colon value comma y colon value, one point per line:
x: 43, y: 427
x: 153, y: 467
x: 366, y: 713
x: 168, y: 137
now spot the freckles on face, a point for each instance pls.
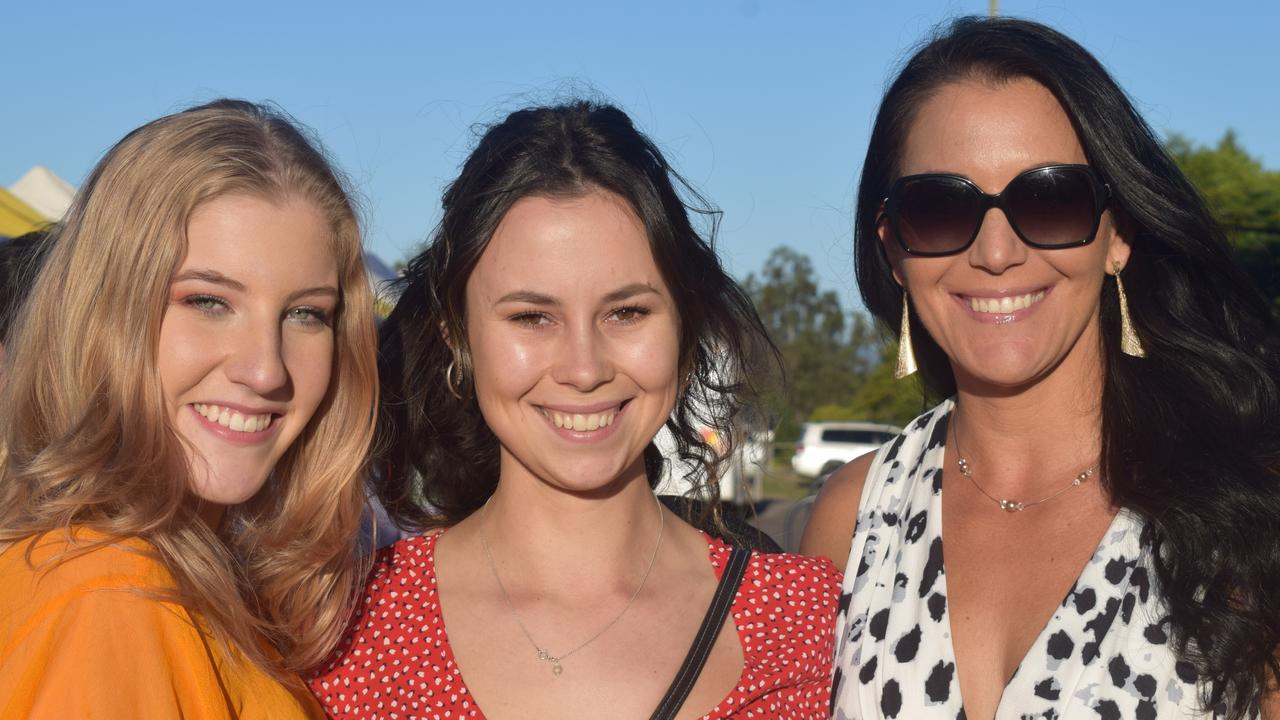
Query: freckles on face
x: 246, y: 345
x: 1005, y: 313
x: 574, y: 338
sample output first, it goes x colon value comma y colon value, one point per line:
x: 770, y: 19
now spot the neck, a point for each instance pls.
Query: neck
x: 1032, y: 434
x: 558, y: 534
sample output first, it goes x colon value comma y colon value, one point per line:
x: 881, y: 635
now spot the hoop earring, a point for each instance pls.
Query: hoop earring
x: 906, y: 353
x: 1130, y: 344
x: 453, y: 380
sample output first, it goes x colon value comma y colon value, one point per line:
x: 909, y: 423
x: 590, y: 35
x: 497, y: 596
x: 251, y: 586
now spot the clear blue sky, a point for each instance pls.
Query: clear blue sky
x: 765, y: 105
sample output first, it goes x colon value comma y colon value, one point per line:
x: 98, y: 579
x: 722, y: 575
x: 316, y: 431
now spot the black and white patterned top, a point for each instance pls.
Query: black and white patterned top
x: 1103, y: 654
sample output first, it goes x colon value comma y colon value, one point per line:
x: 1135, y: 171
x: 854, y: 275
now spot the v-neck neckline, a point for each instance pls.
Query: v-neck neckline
x: 715, y: 550
x: 1107, y: 543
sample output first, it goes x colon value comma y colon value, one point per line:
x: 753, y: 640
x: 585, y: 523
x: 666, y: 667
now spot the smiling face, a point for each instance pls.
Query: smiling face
x: 574, y: 341
x: 1006, y: 314
x: 246, y: 343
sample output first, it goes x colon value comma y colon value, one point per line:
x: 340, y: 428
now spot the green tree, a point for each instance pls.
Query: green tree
x: 824, y: 347
x: 1244, y: 197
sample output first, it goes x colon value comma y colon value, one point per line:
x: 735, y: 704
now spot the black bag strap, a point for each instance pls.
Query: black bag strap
x: 706, y: 637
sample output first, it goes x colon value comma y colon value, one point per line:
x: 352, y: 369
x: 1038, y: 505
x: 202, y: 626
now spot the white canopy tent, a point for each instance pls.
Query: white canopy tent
x: 44, y: 192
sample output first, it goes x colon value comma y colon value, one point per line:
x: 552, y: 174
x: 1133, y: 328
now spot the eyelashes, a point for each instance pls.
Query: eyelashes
x: 210, y: 305
x: 213, y: 306
x: 625, y: 315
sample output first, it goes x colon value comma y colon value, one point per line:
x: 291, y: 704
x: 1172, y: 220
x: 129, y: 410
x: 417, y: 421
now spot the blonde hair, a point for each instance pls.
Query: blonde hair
x: 85, y: 439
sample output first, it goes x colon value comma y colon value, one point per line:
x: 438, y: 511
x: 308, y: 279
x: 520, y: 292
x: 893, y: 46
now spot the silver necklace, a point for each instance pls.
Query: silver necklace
x: 1006, y: 504
x: 543, y: 654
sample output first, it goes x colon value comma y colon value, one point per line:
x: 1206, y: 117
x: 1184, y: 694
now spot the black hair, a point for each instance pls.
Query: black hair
x: 1189, y: 434
x: 441, y: 459
x: 20, y: 260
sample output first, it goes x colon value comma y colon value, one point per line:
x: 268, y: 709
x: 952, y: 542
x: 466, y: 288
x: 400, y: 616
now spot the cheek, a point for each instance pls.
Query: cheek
x: 182, y: 355
x: 309, y: 361
x: 655, y: 362
x: 505, y: 363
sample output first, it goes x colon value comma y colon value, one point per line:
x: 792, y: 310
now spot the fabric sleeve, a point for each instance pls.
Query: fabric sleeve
x: 111, y: 653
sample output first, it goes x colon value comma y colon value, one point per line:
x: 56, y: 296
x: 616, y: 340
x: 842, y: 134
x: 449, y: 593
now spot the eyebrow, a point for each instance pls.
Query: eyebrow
x: 209, y: 276
x: 536, y: 298
x: 217, y: 278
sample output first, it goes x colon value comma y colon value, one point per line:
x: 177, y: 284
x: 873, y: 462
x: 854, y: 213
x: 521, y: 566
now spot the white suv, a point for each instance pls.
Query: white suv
x: 825, y: 446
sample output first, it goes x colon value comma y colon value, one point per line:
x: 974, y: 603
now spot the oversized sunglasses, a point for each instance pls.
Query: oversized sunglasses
x: 1055, y: 206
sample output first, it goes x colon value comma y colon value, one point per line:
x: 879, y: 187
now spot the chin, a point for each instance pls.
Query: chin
x: 215, y: 489
x: 590, y: 478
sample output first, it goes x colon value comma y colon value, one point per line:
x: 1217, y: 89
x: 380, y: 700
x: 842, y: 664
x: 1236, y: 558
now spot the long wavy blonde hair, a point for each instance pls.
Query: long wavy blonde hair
x: 85, y: 440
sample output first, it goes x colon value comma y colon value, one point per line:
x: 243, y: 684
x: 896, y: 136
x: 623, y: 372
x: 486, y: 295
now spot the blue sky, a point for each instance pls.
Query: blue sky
x: 764, y: 105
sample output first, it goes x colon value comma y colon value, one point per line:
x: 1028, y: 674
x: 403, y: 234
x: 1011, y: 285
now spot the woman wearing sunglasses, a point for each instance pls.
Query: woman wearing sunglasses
x: 1086, y: 526
x: 187, y: 407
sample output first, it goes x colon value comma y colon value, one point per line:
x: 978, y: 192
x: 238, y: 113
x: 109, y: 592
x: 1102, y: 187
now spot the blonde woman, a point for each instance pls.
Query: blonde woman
x: 189, y: 402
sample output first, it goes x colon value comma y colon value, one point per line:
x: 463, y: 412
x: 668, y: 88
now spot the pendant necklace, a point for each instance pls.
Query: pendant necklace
x: 543, y: 654
x: 1006, y: 504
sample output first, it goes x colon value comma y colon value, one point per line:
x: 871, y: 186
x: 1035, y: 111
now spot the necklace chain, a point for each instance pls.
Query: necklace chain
x: 543, y: 654
x: 1006, y: 504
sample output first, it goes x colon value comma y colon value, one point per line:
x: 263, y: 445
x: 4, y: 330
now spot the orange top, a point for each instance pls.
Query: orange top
x: 86, y: 637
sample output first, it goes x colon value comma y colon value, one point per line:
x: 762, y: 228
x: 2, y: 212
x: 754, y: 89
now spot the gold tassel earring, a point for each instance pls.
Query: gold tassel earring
x: 1129, y: 343
x: 906, y: 353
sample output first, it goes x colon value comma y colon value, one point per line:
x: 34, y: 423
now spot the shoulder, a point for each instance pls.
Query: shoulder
x: 829, y: 532
x: 835, y: 512
x: 64, y: 566
x: 797, y: 573
x: 85, y: 625
x: 807, y: 584
x: 408, y: 560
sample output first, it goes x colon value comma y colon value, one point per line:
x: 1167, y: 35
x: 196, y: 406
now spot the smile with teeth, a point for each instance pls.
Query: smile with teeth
x: 581, y: 422
x: 233, y: 419
x: 1005, y: 305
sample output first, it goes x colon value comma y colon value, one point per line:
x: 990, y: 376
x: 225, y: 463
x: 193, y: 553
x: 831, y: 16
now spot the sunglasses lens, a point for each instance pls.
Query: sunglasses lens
x: 1053, y: 207
x: 936, y: 215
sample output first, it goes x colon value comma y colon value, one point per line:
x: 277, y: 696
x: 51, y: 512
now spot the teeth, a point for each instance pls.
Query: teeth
x: 1006, y: 304
x: 232, y: 419
x: 581, y: 422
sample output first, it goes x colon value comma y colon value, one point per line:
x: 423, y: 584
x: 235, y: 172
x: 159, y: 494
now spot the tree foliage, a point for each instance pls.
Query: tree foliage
x: 822, y: 345
x: 838, y: 366
x: 1244, y: 197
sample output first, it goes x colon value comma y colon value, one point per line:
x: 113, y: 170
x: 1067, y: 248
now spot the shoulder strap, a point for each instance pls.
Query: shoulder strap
x: 706, y: 637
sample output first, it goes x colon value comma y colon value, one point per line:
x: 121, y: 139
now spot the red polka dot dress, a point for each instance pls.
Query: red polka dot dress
x: 395, y: 661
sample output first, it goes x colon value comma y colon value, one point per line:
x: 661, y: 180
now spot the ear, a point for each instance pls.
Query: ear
x: 1118, y: 247
x: 892, y: 251
x: 444, y: 335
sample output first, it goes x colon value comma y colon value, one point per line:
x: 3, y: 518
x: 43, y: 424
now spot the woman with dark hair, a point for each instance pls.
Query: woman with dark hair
x: 1105, y: 467
x: 563, y: 313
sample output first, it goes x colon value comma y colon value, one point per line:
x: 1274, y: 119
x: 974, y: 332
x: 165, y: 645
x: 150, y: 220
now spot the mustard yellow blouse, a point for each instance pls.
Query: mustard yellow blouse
x: 85, y: 637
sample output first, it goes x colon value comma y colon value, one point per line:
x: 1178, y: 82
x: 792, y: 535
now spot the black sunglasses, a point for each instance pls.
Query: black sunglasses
x: 1055, y: 206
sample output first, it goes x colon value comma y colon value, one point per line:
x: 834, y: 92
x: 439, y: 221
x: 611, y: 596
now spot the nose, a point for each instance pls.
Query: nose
x: 582, y: 360
x: 997, y: 247
x: 256, y: 357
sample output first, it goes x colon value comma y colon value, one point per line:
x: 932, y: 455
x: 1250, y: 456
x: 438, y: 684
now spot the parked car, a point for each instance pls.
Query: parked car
x: 825, y: 446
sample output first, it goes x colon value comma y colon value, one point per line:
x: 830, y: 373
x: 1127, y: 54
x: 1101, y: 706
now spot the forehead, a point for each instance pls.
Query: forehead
x: 271, y: 243
x: 569, y: 247
x: 989, y: 131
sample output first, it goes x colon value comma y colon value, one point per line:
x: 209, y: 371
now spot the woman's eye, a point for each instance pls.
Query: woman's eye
x: 530, y: 319
x: 309, y: 315
x: 630, y: 314
x: 207, y: 304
